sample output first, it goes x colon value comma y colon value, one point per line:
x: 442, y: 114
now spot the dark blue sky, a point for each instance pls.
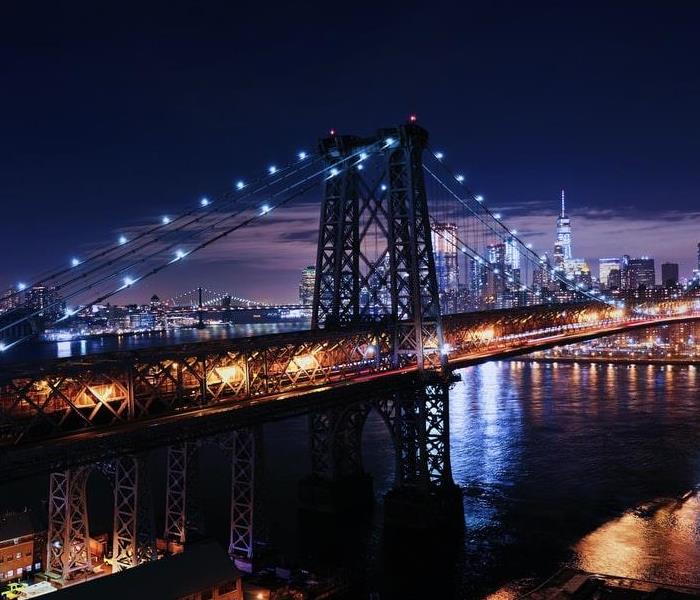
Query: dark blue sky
x: 113, y: 115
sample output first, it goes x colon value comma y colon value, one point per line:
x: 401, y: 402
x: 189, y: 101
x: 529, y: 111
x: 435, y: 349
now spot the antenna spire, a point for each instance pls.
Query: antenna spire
x: 563, y: 203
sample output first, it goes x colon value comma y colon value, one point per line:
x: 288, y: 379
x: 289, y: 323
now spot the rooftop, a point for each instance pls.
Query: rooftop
x: 201, y: 566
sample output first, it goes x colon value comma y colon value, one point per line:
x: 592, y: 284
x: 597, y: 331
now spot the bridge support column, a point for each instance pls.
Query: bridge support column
x: 338, y: 483
x: 133, y: 539
x: 246, y: 471
x: 406, y: 295
x: 67, y: 545
x: 179, y: 503
x: 425, y: 495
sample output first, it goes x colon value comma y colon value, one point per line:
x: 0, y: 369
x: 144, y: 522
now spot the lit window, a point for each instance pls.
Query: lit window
x: 19, y: 571
x: 37, y: 566
x: 10, y: 573
x: 18, y: 555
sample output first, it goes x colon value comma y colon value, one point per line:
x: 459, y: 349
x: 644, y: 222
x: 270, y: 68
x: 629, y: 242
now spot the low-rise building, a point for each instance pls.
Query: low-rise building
x: 21, y: 546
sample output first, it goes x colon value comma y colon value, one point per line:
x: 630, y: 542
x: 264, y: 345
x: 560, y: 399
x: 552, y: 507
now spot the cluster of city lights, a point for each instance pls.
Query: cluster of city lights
x: 459, y: 178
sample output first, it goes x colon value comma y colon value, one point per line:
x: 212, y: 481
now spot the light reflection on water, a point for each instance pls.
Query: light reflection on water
x: 658, y: 542
x: 553, y: 456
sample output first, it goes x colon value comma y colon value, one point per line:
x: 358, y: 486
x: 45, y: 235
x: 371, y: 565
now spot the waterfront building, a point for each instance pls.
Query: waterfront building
x: 45, y: 301
x: 306, y: 286
x: 669, y: 274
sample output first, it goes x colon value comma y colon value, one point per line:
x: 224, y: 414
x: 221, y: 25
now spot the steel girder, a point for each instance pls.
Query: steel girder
x: 471, y: 331
x: 414, y: 291
x: 336, y: 440
x: 182, y: 477
x: 337, y: 289
x: 102, y: 391
x: 134, y: 539
x: 421, y: 429
x: 401, y: 216
x: 243, y: 496
x: 67, y: 546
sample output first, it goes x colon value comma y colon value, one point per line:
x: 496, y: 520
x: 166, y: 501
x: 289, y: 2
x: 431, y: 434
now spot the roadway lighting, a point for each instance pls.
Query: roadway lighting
x: 302, y: 155
x: 459, y: 178
x: 240, y: 185
x: 383, y: 186
x: 439, y: 155
x: 334, y: 172
x: 180, y: 254
x: 360, y: 167
x: 497, y: 216
x: 2, y: 347
x: 528, y: 246
x: 272, y: 169
x: 264, y: 209
x: 128, y: 281
x: 122, y: 240
x: 479, y: 198
x: 363, y: 156
x: 21, y: 286
x: 165, y: 220
x: 514, y: 232
x: 204, y: 202
x: 74, y: 262
x: 389, y: 141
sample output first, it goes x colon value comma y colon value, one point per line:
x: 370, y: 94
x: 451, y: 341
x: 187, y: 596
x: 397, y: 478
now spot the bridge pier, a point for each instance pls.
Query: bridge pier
x: 424, y: 496
x: 338, y: 483
x: 181, y: 519
x: 246, y: 472
x: 133, y: 540
x: 67, y: 545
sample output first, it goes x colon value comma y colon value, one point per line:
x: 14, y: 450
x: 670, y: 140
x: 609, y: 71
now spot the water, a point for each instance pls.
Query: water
x: 38, y: 350
x: 560, y: 464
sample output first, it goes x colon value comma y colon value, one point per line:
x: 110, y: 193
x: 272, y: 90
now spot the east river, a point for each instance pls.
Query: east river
x: 596, y: 466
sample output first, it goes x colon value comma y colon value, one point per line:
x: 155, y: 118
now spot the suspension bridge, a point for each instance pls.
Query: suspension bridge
x: 397, y: 227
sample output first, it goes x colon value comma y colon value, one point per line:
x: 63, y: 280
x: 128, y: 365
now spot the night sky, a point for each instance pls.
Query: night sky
x: 113, y: 116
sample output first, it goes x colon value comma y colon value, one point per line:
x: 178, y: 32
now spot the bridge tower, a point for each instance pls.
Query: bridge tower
x: 400, y: 282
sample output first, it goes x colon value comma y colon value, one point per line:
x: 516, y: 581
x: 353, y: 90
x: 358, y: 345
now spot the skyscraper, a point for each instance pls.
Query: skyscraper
x: 306, y: 286
x: 444, y: 238
x: 641, y: 271
x: 606, y: 265
x: 562, y: 246
x: 669, y: 274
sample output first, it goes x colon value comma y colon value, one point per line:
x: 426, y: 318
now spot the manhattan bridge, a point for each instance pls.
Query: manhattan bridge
x: 382, y: 319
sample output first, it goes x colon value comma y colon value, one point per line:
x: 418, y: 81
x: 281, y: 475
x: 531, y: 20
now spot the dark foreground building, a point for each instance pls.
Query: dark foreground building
x: 202, y: 572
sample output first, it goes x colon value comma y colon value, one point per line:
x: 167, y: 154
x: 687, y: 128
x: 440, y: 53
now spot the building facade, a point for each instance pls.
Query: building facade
x: 306, y: 286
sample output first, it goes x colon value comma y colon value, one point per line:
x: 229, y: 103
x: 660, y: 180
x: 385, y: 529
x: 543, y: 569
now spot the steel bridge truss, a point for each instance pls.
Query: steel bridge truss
x: 398, y: 284
x: 117, y: 389
x: 418, y: 422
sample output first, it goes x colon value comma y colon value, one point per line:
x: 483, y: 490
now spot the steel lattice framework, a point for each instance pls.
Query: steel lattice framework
x: 102, y: 392
x: 67, y: 547
x: 351, y: 206
x: 134, y: 537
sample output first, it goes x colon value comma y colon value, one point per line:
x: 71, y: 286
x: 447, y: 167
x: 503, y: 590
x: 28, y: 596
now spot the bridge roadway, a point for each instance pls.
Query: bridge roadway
x: 67, y: 412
